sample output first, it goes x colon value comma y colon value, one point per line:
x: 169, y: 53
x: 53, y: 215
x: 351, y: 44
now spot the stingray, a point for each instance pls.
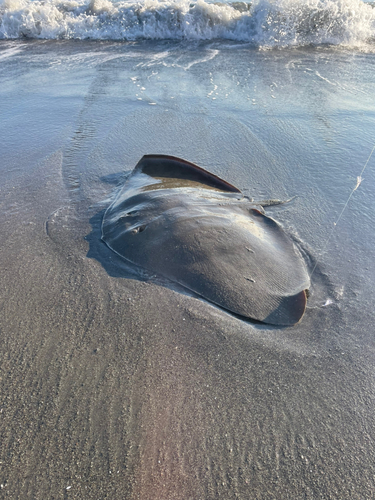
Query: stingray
x: 182, y: 222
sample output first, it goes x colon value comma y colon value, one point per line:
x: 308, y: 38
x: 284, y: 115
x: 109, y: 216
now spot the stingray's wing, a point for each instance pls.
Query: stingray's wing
x: 170, y: 167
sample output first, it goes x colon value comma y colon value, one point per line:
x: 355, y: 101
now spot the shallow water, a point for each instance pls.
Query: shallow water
x: 115, y: 384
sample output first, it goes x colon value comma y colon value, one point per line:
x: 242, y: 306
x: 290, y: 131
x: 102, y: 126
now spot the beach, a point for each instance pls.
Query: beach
x: 114, y: 382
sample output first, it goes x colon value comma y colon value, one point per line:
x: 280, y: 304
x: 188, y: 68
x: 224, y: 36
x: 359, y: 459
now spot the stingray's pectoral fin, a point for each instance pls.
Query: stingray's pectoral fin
x: 289, y: 311
x: 165, y: 166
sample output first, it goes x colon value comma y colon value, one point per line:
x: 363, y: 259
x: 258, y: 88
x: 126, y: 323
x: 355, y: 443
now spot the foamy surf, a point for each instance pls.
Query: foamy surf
x: 264, y: 23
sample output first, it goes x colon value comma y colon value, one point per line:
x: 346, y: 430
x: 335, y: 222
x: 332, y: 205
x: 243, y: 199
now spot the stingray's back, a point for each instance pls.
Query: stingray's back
x: 199, y: 231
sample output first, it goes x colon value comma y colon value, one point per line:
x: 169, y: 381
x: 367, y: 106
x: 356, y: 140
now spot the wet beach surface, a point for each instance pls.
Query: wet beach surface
x: 115, y: 384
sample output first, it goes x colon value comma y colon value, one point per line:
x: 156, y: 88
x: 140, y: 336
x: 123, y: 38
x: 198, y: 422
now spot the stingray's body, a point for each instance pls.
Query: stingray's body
x: 178, y: 220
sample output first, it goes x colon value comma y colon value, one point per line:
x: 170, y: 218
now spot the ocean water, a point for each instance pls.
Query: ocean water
x: 264, y: 23
x: 116, y: 384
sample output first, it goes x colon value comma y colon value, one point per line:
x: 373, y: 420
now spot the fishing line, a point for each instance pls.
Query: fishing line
x: 359, y: 180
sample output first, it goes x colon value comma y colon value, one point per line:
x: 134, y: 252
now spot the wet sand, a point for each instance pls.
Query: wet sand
x: 117, y: 385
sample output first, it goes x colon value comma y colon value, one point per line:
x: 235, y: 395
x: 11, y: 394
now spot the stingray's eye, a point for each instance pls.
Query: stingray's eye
x: 139, y: 229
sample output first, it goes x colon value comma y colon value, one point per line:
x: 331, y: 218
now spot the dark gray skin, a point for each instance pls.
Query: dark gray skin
x: 182, y: 222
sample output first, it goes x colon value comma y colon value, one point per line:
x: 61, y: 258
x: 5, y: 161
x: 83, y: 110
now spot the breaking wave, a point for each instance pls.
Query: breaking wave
x: 265, y: 23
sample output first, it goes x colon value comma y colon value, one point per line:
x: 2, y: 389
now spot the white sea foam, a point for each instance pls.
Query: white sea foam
x: 266, y: 23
